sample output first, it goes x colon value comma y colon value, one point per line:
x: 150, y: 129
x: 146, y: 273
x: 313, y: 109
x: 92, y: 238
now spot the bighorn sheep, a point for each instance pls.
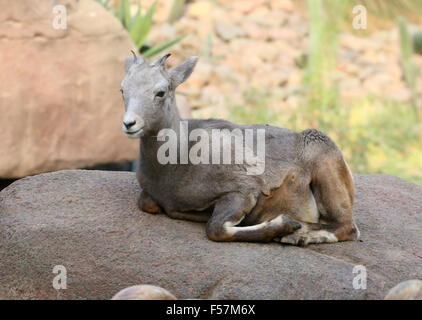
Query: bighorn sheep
x: 304, y: 195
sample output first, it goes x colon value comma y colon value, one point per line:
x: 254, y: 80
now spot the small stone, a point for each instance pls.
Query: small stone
x: 228, y: 31
x: 255, y: 32
x: 403, y: 95
x: 284, y: 5
x: 200, y: 9
x: 246, y: 6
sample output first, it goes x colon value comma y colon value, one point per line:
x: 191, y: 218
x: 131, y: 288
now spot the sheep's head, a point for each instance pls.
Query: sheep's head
x: 148, y: 93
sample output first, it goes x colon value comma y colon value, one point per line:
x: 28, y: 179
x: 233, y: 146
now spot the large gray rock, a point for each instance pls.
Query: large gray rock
x: 88, y: 222
x: 60, y: 103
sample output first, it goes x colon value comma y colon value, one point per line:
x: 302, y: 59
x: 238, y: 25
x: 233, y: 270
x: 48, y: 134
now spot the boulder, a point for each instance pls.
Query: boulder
x: 143, y: 292
x: 60, y: 103
x: 406, y: 290
x: 88, y: 222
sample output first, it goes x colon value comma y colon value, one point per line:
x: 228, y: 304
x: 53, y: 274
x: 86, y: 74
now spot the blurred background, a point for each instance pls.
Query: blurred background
x: 349, y: 68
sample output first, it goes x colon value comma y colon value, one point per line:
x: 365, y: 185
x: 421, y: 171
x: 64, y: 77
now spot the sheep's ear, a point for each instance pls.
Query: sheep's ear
x: 179, y: 74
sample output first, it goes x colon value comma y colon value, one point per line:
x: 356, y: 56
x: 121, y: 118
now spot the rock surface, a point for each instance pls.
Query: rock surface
x: 60, y: 103
x: 88, y: 222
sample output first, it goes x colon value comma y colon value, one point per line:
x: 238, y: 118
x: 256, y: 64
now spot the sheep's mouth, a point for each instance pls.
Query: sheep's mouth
x: 135, y: 134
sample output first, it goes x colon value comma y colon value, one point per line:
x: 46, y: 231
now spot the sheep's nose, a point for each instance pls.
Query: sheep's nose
x: 128, y: 124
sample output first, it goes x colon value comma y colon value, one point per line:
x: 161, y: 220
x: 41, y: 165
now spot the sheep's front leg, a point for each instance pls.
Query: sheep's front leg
x: 146, y: 203
x: 230, y: 211
x: 190, y: 216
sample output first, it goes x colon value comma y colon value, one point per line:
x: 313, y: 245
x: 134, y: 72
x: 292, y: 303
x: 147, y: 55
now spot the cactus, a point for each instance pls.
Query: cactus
x: 139, y: 26
x: 409, y: 69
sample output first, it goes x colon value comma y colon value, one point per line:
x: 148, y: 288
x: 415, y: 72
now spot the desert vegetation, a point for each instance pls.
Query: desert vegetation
x: 346, y: 93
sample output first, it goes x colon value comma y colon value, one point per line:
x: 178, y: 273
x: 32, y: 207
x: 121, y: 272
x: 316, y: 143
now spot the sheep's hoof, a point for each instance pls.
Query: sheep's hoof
x: 148, y: 207
x: 303, y: 238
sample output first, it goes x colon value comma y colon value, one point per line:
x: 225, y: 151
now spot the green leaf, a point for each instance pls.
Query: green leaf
x: 142, y: 26
x: 406, y: 52
x: 119, y: 13
x: 176, y: 10
x: 417, y: 42
x: 410, y: 71
x: 126, y: 14
x: 161, y: 47
x: 136, y: 17
x: 104, y: 2
x: 123, y: 14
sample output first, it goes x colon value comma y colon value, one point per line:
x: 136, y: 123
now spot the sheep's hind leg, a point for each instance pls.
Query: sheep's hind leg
x: 332, y: 186
x: 231, y: 210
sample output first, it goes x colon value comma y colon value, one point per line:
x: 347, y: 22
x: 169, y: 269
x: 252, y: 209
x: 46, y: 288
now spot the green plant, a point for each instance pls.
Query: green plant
x: 321, y: 91
x: 409, y: 69
x: 417, y: 41
x: 139, y: 26
x: 104, y: 2
x: 176, y: 10
x: 376, y: 135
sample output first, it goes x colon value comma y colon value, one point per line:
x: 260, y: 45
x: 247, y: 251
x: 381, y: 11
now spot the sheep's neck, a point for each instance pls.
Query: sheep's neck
x: 150, y: 144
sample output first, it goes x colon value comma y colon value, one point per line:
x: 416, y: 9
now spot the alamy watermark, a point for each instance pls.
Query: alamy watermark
x: 215, y: 146
x: 359, y: 281
x: 60, y: 281
x: 360, y: 19
x: 60, y: 17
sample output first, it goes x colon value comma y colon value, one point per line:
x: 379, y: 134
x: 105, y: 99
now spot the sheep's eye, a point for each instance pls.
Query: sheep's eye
x: 160, y: 94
